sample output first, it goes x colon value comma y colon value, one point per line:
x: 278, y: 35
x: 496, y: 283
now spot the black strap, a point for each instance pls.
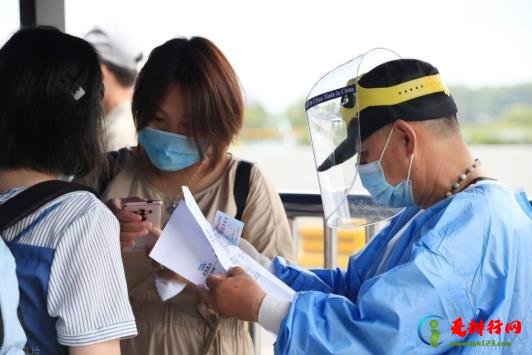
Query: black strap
x: 33, y: 198
x: 241, y: 188
x: 116, y: 162
x: 474, y: 181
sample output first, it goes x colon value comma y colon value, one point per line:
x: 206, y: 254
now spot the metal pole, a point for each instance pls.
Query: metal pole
x: 370, y: 232
x: 27, y: 13
x: 330, y: 246
x: 42, y: 12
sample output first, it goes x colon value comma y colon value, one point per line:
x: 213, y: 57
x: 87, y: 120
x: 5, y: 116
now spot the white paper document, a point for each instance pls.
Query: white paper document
x: 168, y: 288
x: 190, y: 246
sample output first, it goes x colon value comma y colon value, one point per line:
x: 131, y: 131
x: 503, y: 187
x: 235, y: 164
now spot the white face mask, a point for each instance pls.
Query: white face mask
x: 373, y: 179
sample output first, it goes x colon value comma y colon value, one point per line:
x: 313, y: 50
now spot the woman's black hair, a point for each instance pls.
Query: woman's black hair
x: 50, y: 111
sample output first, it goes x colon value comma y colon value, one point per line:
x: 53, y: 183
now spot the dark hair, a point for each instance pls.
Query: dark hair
x: 444, y: 126
x: 208, y: 82
x: 125, y: 77
x: 50, y: 111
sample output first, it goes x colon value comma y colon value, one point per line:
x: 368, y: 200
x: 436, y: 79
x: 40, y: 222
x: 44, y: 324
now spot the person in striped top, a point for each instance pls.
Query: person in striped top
x: 50, y: 127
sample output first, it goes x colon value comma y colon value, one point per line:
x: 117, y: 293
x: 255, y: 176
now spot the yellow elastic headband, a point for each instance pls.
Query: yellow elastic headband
x: 393, y: 95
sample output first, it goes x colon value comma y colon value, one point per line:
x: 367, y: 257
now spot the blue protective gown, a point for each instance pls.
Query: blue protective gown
x: 467, y: 256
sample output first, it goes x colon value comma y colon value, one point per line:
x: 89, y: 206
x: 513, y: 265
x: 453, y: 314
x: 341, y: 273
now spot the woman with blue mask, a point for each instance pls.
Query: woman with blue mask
x: 188, y: 107
x: 169, y: 151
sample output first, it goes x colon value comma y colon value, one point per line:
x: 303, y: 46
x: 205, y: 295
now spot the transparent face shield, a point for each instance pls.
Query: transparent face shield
x: 332, y: 112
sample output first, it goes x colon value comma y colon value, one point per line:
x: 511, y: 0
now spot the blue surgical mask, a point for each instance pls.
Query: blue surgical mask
x: 374, y: 181
x: 169, y: 151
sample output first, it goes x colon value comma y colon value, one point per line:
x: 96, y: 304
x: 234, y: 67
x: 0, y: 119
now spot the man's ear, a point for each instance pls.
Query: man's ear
x: 406, y: 130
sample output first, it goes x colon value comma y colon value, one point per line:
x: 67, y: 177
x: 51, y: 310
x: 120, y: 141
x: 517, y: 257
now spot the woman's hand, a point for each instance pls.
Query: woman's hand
x: 131, y: 225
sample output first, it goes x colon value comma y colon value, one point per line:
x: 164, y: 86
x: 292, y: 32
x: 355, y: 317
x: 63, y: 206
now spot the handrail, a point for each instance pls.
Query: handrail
x: 309, y: 204
x: 297, y: 204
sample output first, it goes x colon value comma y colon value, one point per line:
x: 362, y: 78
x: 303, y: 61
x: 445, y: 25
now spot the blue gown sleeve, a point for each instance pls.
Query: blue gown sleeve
x: 336, y: 280
x: 383, y: 319
x: 327, y: 280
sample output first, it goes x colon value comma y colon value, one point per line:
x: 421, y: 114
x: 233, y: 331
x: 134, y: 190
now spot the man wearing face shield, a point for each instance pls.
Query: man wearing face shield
x: 454, y: 260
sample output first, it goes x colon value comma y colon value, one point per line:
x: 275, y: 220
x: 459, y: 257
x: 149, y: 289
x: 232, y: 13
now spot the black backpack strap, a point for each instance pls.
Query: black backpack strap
x: 241, y: 188
x: 33, y: 198
x: 116, y: 162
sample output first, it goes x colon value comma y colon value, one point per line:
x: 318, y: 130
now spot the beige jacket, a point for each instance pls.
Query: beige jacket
x: 182, y: 324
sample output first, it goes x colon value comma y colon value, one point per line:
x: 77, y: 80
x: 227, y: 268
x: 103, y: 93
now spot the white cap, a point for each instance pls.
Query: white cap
x: 115, y: 46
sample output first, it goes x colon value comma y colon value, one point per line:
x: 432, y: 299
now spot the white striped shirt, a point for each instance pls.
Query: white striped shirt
x: 87, y: 290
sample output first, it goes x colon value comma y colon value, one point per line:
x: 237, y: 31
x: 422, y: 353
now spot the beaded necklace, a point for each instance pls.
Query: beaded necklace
x: 456, y: 186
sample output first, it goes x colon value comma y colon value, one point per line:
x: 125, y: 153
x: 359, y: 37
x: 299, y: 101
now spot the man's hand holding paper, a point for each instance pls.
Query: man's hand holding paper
x: 191, y: 247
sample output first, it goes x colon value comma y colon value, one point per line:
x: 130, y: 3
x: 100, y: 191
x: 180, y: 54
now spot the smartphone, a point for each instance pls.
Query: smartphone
x: 149, y: 210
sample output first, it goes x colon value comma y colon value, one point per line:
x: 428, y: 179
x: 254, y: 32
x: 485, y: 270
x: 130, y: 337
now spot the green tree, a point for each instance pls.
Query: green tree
x: 256, y: 116
x: 518, y: 115
x: 487, y: 104
x: 295, y: 113
x: 514, y: 125
x: 297, y: 116
x: 259, y: 124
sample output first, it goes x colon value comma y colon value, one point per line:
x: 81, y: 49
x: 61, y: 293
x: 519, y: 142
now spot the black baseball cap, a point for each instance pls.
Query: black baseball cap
x: 372, y: 118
